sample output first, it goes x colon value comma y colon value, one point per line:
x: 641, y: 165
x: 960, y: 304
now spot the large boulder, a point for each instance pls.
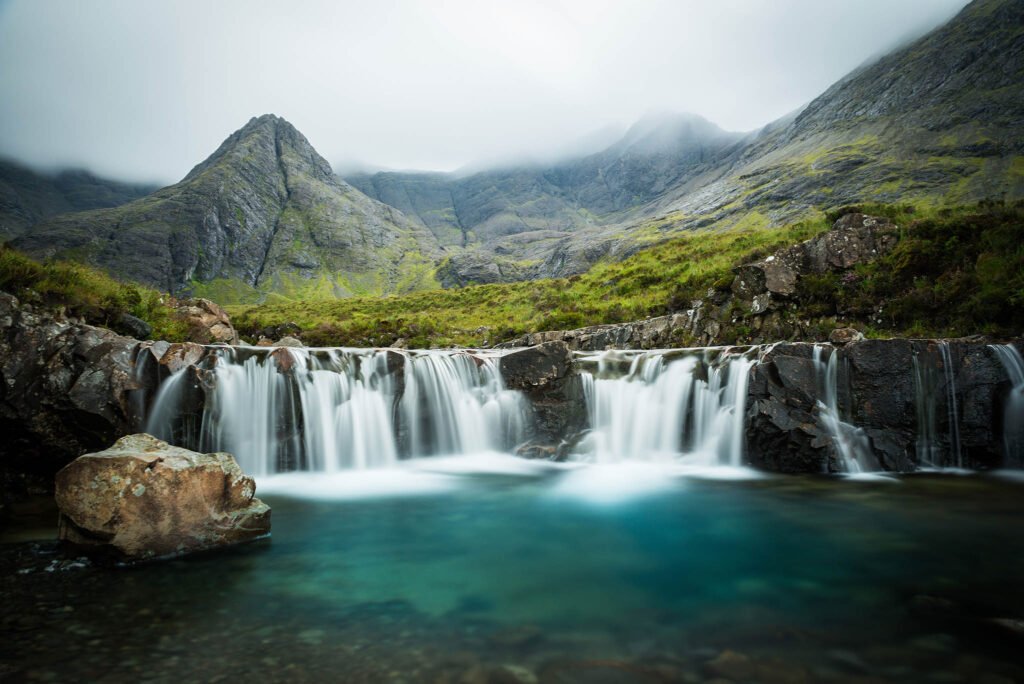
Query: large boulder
x: 148, y: 499
x: 207, y: 323
x: 545, y: 374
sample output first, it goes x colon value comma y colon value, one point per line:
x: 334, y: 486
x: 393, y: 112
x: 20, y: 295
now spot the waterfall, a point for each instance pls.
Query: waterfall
x: 851, y: 444
x: 952, y: 412
x: 926, y: 395
x: 1013, y: 415
x: 338, y: 409
x: 666, y: 407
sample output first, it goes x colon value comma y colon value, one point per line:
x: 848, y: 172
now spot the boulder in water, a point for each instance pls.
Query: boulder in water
x: 148, y: 499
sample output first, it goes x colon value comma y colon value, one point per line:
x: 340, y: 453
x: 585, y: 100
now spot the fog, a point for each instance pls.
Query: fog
x: 145, y: 90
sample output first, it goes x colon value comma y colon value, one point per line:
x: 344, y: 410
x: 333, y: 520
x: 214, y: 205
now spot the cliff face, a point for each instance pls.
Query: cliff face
x: 939, y: 120
x: 27, y: 196
x: 263, y: 213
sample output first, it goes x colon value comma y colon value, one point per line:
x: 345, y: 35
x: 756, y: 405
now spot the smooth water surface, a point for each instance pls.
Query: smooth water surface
x: 446, y: 569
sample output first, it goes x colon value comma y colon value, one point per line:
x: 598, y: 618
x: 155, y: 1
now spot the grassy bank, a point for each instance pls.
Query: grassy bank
x: 85, y: 293
x: 956, y: 271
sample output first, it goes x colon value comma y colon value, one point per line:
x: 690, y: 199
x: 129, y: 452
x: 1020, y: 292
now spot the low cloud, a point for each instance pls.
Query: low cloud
x: 146, y: 90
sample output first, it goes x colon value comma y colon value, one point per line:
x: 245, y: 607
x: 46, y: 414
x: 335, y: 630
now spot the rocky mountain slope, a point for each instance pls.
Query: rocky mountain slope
x: 938, y: 121
x: 264, y: 213
x: 511, y: 218
x: 27, y: 196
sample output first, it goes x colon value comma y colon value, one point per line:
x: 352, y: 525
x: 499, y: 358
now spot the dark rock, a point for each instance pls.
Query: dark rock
x: 538, y: 368
x: 133, y: 326
x: 64, y: 389
x: 877, y: 394
x: 546, y: 375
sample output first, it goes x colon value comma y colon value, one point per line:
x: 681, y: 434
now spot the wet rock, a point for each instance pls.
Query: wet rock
x: 731, y: 665
x: 65, y: 388
x: 545, y: 374
x: 511, y: 674
x: 596, y: 672
x: 544, y: 452
x: 207, y: 323
x: 876, y: 393
x: 518, y: 637
x: 182, y: 354
x: 538, y: 368
x: 147, y: 499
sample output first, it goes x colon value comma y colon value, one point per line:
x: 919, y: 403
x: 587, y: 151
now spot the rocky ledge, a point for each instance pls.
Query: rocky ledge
x: 147, y: 499
x: 760, y: 297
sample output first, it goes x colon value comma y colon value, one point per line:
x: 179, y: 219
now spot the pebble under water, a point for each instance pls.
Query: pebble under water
x: 497, y: 570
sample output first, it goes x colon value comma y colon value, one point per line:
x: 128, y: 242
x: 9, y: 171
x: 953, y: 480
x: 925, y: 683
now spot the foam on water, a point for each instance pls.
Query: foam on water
x: 357, y: 484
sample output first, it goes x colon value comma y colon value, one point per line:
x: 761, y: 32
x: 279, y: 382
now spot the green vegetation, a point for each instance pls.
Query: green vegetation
x: 85, y: 293
x: 955, y: 271
x: 652, y: 282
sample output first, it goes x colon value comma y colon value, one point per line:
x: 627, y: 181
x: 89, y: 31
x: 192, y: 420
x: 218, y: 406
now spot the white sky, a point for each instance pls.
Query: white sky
x: 145, y: 90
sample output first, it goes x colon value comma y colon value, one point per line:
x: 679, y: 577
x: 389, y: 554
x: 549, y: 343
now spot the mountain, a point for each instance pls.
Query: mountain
x: 514, y: 215
x: 263, y: 214
x: 27, y: 196
x: 938, y: 121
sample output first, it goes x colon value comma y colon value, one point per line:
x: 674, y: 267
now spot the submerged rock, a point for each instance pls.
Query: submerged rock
x: 148, y: 499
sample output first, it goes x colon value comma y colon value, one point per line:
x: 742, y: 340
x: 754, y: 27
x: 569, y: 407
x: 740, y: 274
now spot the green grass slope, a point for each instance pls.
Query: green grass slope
x: 956, y: 271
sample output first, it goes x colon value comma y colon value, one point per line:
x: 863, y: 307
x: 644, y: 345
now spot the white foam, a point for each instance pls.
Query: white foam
x: 357, y: 484
x: 613, y: 483
x: 870, y: 477
x: 484, y: 463
x: 1007, y: 474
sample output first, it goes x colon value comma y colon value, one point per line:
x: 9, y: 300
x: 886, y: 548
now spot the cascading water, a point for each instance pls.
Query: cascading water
x: 339, y: 409
x: 1013, y: 416
x: 851, y: 444
x: 927, y: 392
x: 679, y: 406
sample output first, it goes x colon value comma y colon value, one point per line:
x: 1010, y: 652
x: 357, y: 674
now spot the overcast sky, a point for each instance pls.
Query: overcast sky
x: 144, y: 90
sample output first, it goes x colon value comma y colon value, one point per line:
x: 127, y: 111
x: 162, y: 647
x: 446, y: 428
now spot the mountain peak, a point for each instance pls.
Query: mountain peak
x: 263, y: 212
x: 264, y: 141
x: 667, y: 131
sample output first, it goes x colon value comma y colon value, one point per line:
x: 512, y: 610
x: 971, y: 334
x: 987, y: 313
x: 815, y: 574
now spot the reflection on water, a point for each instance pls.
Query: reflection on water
x: 446, y: 571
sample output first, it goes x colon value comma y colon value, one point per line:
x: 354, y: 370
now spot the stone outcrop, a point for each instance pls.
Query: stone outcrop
x: 147, y: 499
x: 207, y: 323
x: 545, y: 374
x: 877, y: 395
x: 65, y: 388
x: 759, y: 297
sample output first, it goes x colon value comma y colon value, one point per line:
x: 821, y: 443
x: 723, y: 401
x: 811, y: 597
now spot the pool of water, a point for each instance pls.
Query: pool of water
x: 491, y: 569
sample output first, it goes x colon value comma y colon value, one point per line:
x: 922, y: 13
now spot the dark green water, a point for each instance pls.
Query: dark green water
x: 450, y: 577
